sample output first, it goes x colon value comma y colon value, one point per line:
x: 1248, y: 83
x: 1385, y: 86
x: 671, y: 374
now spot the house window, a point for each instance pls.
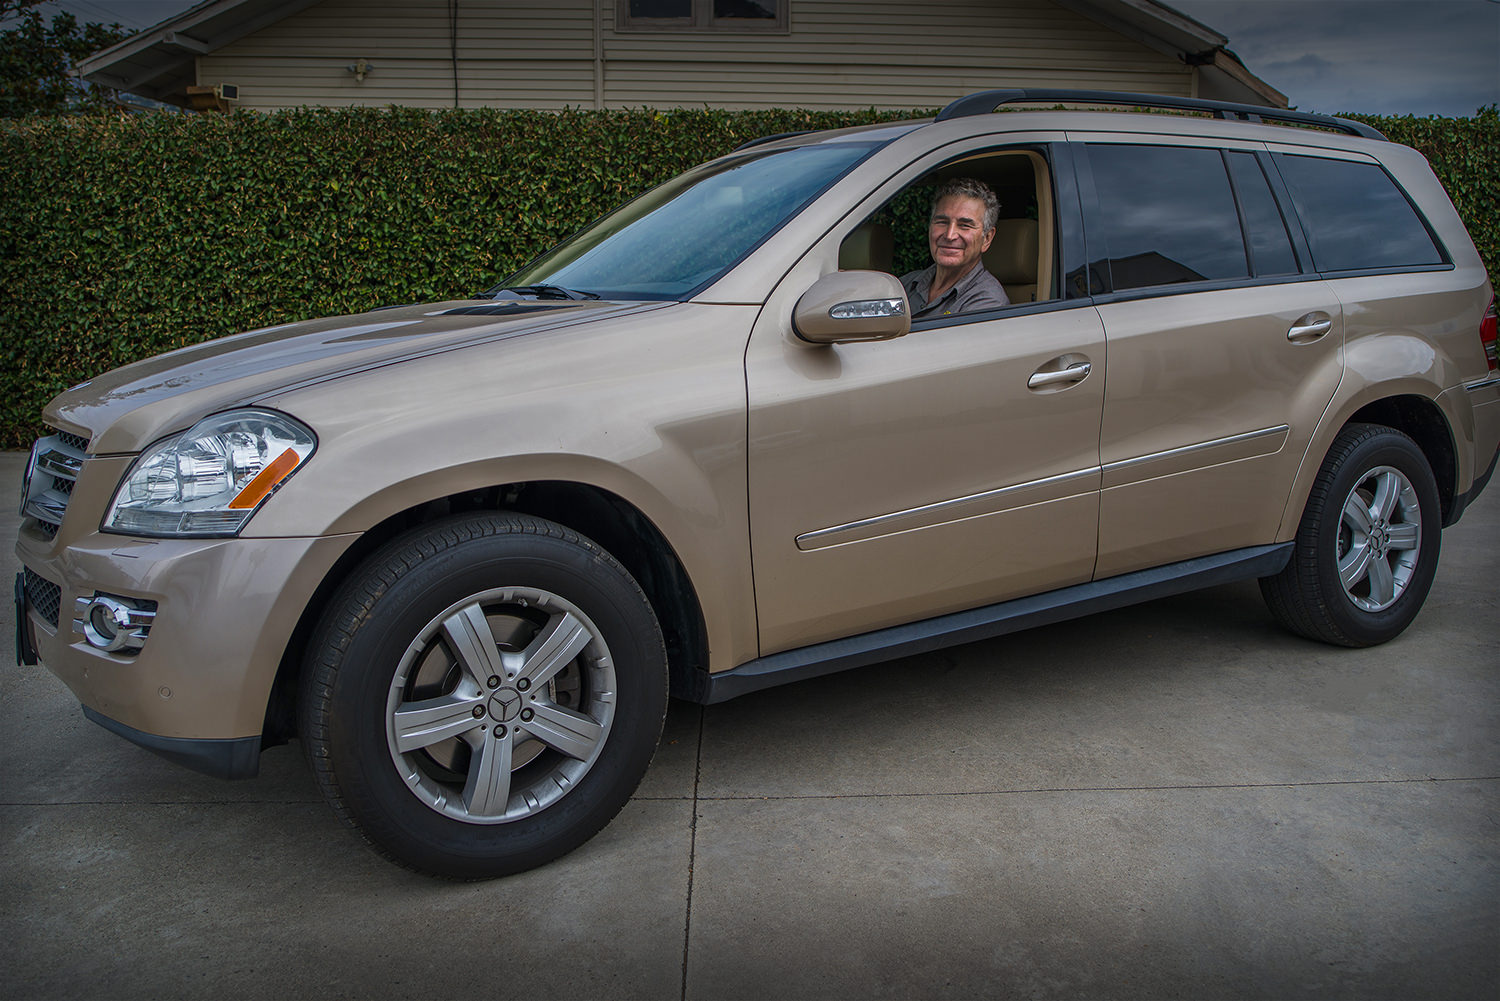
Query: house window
x: 701, y: 15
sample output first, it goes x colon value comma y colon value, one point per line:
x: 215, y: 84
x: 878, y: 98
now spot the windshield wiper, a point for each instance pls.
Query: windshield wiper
x: 543, y: 292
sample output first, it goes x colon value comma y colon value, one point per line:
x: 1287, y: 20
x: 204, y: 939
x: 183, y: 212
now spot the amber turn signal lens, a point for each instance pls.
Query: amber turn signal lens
x: 265, y: 481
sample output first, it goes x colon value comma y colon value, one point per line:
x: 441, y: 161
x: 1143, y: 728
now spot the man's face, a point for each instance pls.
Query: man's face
x: 957, y: 235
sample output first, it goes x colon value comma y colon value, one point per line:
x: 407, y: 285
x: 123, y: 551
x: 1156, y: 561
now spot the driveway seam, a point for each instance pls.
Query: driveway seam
x: 1065, y: 789
x: 687, y: 921
x: 696, y: 797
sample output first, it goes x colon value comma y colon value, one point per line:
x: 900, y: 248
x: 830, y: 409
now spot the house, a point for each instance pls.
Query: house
x: 820, y: 54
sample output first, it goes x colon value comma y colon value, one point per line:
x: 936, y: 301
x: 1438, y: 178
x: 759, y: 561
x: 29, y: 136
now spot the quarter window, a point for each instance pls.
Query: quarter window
x: 1354, y: 215
x: 1166, y: 215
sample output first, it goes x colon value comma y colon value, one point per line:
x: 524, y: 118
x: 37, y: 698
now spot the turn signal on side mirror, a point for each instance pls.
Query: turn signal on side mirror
x: 852, y: 306
x: 867, y: 309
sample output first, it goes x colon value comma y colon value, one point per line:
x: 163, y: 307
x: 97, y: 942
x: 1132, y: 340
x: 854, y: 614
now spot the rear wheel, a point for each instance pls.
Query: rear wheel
x: 484, y: 695
x: 1367, y: 547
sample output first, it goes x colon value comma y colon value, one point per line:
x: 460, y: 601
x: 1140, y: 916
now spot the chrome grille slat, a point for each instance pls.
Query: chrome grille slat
x: 51, y: 475
x: 59, y: 463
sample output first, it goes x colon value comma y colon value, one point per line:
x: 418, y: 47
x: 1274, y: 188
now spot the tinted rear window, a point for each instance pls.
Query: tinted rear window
x: 1166, y: 215
x: 1354, y: 215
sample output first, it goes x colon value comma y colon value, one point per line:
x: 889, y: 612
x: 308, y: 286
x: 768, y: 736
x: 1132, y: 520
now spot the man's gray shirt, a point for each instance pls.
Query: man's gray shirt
x: 976, y: 290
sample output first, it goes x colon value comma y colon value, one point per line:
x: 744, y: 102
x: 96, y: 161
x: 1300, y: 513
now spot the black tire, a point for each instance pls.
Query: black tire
x: 1374, y: 506
x: 483, y: 695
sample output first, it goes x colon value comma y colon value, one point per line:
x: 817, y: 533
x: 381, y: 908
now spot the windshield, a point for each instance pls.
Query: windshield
x: 680, y: 236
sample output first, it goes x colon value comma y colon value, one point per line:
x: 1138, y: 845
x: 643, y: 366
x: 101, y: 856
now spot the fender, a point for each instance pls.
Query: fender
x: 1375, y: 369
x: 659, y: 421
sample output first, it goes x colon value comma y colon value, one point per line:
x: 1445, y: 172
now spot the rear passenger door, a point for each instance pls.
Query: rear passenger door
x: 1223, y: 349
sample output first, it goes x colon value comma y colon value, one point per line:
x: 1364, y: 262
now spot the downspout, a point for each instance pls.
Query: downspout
x: 599, y: 55
x: 453, y: 44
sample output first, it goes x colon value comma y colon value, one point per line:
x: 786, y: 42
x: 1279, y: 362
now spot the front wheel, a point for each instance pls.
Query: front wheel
x: 484, y: 695
x: 1367, y: 548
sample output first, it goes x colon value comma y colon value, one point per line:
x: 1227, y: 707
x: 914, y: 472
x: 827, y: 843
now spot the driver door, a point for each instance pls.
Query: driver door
x: 896, y: 480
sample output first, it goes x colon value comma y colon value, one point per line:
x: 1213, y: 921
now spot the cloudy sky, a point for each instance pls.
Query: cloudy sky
x: 1423, y: 57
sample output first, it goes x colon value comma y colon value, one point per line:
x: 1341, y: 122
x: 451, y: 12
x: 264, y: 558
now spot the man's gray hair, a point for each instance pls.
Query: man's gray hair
x: 968, y: 187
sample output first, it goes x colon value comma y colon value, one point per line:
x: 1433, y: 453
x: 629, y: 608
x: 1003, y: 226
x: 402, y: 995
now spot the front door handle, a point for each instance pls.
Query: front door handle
x: 1310, y: 327
x: 1073, y: 373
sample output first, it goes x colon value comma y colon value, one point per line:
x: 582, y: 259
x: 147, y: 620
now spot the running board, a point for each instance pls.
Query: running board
x: 992, y: 620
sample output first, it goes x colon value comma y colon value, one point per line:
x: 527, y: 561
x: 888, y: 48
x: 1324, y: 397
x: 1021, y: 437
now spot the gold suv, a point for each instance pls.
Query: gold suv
x: 464, y: 550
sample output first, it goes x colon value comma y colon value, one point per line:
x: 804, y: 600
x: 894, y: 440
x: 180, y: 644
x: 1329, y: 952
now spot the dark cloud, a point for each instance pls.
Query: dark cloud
x: 1307, y: 63
x: 1378, y: 56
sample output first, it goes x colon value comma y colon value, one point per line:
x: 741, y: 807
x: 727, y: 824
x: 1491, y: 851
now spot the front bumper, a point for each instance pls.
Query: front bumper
x: 197, y: 691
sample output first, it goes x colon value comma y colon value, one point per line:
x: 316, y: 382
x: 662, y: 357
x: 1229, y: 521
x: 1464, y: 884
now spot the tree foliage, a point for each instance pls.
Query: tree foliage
x: 36, y: 58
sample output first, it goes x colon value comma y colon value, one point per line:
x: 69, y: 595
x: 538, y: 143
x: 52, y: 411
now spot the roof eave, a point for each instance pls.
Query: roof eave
x: 1229, y: 64
x: 1173, y: 33
x: 153, y: 59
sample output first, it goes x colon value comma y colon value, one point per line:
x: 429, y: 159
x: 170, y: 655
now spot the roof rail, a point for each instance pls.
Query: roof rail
x: 987, y: 101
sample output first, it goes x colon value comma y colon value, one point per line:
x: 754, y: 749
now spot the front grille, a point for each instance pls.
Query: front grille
x: 50, y: 477
x: 43, y: 596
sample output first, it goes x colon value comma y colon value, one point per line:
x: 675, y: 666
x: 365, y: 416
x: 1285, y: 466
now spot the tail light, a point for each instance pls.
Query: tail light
x: 1487, y: 336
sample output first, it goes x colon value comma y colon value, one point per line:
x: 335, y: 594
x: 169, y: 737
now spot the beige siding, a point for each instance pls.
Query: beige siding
x: 744, y: 85
x: 510, y: 55
x: 838, y: 54
x: 886, y: 53
x: 422, y: 83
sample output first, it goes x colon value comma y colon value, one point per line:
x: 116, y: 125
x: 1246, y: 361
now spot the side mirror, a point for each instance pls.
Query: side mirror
x: 852, y: 306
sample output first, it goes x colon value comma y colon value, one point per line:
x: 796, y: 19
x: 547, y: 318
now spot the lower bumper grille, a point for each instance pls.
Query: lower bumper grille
x: 44, y: 596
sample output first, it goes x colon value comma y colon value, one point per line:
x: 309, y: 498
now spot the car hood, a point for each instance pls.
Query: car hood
x: 126, y: 409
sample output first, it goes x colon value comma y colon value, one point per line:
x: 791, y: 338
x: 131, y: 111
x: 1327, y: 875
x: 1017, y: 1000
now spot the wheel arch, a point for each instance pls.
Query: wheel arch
x: 1415, y: 414
x: 1421, y: 420
x: 610, y: 521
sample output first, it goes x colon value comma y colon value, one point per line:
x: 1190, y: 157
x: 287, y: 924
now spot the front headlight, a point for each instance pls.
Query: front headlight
x: 210, y: 479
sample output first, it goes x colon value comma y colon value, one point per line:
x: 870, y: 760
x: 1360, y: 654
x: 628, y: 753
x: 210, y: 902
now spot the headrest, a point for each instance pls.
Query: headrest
x: 869, y: 248
x: 1012, y: 257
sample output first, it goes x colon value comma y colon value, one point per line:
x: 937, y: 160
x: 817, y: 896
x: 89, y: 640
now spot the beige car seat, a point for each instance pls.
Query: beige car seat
x: 869, y: 248
x: 1012, y: 258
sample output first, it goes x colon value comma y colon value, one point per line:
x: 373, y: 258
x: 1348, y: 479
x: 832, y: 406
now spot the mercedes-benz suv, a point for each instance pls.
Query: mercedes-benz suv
x: 465, y: 550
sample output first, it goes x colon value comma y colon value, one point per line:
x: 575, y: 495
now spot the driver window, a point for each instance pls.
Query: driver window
x: 894, y: 238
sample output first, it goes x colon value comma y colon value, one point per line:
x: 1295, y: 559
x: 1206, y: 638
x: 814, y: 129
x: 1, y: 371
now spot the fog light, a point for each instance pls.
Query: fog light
x: 112, y: 623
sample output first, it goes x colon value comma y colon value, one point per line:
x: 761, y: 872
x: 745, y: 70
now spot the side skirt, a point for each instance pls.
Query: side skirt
x: 992, y: 620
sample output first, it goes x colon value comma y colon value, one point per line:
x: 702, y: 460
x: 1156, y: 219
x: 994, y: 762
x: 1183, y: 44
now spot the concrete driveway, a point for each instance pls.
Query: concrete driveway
x: 1173, y: 800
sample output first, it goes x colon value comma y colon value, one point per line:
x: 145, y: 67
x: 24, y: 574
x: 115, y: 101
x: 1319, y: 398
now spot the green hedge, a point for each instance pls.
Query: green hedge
x: 124, y: 237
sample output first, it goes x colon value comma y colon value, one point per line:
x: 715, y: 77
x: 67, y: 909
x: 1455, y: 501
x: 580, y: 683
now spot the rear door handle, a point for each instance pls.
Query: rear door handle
x: 1310, y: 327
x: 1073, y: 373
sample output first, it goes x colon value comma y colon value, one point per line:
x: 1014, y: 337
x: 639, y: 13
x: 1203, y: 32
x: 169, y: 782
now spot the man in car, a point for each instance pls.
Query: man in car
x: 964, y: 212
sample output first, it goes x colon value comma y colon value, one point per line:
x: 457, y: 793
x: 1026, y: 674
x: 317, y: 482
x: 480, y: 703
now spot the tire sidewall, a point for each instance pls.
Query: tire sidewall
x: 1385, y: 448
x: 382, y: 805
